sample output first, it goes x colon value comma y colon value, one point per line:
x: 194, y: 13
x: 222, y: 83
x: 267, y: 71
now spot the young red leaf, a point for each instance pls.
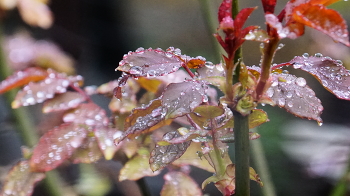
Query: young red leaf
x: 87, y: 152
x: 20, y: 180
x: 269, y: 6
x: 136, y: 168
x: 331, y: 73
x: 161, y: 156
x: 55, y: 146
x: 242, y: 17
x: 225, y: 10
x: 323, y: 19
x: 149, y: 63
x: 20, y: 78
x: 64, y: 101
x: 295, y: 96
x: 181, y: 98
x: 105, y: 137
x: 179, y: 184
x: 88, y: 114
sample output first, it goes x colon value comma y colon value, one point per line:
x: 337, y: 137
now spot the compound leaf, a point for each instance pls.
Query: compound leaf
x: 20, y: 180
x: 55, y: 146
x: 179, y: 184
x: 295, y: 96
x: 331, y: 73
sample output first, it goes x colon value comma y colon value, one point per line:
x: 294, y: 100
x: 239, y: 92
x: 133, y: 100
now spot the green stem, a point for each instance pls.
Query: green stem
x: 26, y: 127
x: 262, y: 168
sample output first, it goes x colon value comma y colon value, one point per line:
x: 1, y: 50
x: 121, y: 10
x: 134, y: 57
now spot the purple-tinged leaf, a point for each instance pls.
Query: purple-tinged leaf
x: 136, y: 168
x: 185, y: 135
x: 64, y: 101
x: 295, y: 96
x: 20, y: 180
x: 88, y: 114
x: 331, y: 73
x: 107, y: 88
x: 55, y: 146
x: 149, y: 63
x: 105, y: 137
x: 179, y: 184
x: 87, y: 152
x: 161, y: 156
x: 20, y: 78
x: 211, y: 70
x: 181, y: 98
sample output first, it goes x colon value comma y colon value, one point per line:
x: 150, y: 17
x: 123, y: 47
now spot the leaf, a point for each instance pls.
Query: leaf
x: 269, y: 6
x: 258, y: 35
x: 254, y: 176
x: 55, y: 146
x: 209, y: 111
x: 105, y: 137
x: 35, y: 13
x: 64, y: 101
x: 87, y: 114
x: 20, y: 78
x: 161, y: 156
x: 295, y: 96
x: 185, y: 135
x: 323, y: 19
x: 179, y: 184
x: 329, y: 72
x: 38, y: 92
x: 242, y: 17
x: 149, y: 63
x: 136, y: 168
x: 225, y: 10
x: 210, y: 70
x: 195, y: 63
x: 257, y: 117
x: 190, y: 157
x: 87, y: 152
x: 20, y: 180
x: 151, y: 85
x: 181, y: 98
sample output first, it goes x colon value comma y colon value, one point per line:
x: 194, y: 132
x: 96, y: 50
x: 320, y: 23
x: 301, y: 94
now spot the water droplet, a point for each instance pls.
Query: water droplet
x: 182, y: 93
x: 319, y: 55
x: 289, y: 95
x: 281, y: 102
x: 320, y: 123
x: 285, y: 72
x: 300, y: 82
x: 306, y: 55
x: 139, y: 49
x: 290, y: 104
x: 209, y: 65
x: 297, y: 65
x: 270, y: 92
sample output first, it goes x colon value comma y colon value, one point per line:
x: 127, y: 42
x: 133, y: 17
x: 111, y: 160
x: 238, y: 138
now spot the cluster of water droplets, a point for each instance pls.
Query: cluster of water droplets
x: 88, y: 114
x: 63, y: 102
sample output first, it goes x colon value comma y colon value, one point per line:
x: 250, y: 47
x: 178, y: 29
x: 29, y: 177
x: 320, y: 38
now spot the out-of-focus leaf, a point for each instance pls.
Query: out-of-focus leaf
x: 190, y: 157
x: 149, y: 63
x: 105, y: 137
x: 64, y: 101
x: 20, y: 78
x: 35, y: 13
x: 20, y: 180
x: 179, y: 184
x: 225, y: 183
x: 269, y: 6
x: 181, y: 98
x: 257, y: 117
x: 258, y: 35
x: 38, y: 92
x: 88, y: 114
x: 55, y: 146
x: 254, y: 176
x: 323, y: 19
x: 161, y: 156
x: 295, y: 96
x: 87, y: 152
x: 130, y: 147
x: 209, y: 111
x: 151, y: 85
x: 195, y: 63
x: 331, y: 73
x: 136, y: 168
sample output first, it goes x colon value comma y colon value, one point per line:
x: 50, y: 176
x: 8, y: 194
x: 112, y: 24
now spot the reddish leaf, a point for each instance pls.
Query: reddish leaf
x: 295, y: 96
x: 161, y: 156
x: 323, y: 2
x: 179, y: 184
x: 331, y: 73
x: 242, y: 17
x: 87, y: 152
x: 323, y: 19
x: 149, y: 63
x: 88, y: 114
x: 181, y: 98
x: 269, y: 6
x: 20, y: 78
x: 64, y: 101
x: 55, y: 146
x: 225, y: 10
x: 136, y: 168
x: 20, y: 180
x: 105, y: 137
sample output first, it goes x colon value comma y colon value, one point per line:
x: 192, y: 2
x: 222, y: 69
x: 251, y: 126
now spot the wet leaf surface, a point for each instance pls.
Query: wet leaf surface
x: 257, y: 117
x: 21, y: 180
x: 161, y: 156
x: 55, y: 146
x: 331, y: 73
x: 87, y: 152
x: 149, y: 63
x: 295, y: 96
x: 179, y: 184
x: 88, y: 114
x: 105, y: 137
x: 20, y: 78
x: 64, y: 101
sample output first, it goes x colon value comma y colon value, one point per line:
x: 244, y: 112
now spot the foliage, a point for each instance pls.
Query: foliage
x: 149, y: 100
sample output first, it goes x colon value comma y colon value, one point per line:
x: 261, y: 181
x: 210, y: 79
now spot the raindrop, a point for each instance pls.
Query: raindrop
x: 319, y: 55
x: 281, y: 102
x: 209, y: 65
x: 270, y: 92
x: 306, y: 55
x: 136, y: 70
x: 139, y: 49
x: 300, y: 82
x: 297, y: 65
x: 182, y: 93
x: 289, y: 95
x: 290, y: 104
x: 320, y: 123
